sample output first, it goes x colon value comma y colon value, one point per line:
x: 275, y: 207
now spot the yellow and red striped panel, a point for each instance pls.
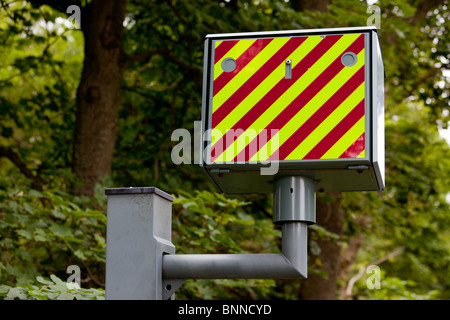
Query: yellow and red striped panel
x: 318, y: 113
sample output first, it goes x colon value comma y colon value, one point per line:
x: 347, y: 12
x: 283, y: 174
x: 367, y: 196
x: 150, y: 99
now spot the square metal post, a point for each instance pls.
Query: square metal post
x: 138, y: 233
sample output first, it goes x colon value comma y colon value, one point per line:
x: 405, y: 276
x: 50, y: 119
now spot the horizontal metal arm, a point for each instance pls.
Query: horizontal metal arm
x: 228, y: 266
x: 290, y: 264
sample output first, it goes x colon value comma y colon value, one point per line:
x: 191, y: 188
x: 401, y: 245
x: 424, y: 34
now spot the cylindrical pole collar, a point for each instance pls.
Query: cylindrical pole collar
x: 294, y: 199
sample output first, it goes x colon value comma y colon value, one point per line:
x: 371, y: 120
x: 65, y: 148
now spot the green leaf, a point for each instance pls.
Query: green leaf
x: 80, y: 254
x: 40, y: 236
x: 17, y: 292
x: 27, y: 234
x: 189, y: 204
x: 38, y: 295
x: 43, y: 281
x: 58, y: 281
x: 28, y: 208
x: 73, y: 286
x: 58, y: 214
x: 65, y: 296
x: 53, y: 295
x: 322, y: 232
x: 4, y: 288
x: 35, y: 193
x: 61, y: 230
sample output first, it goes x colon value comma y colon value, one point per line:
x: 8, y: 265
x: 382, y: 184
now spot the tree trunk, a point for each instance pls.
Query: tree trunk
x: 349, y: 252
x: 98, y: 94
x: 331, y: 217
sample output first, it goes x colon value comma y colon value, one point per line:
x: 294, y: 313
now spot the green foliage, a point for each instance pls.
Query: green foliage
x: 40, y: 67
x: 54, y: 289
x: 411, y: 213
x: 206, y: 222
x: 45, y: 232
x: 394, y: 288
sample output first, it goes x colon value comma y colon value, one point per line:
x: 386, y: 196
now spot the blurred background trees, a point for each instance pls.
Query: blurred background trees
x: 93, y: 105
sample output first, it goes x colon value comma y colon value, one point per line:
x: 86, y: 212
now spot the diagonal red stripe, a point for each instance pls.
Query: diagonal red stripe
x: 284, y: 84
x: 337, y: 132
x: 241, y: 62
x: 223, y: 48
x: 355, y: 149
x: 302, y: 99
x: 242, y: 92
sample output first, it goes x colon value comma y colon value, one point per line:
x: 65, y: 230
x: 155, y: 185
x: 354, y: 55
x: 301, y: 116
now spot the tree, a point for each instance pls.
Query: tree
x: 331, y: 214
x: 105, y: 100
x: 99, y: 94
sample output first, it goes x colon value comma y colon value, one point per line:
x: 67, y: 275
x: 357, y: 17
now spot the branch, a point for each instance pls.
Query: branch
x: 145, y: 55
x: 389, y: 256
x: 150, y: 53
x: 183, y: 64
x: 179, y: 16
x: 14, y: 158
x: 363, y: 269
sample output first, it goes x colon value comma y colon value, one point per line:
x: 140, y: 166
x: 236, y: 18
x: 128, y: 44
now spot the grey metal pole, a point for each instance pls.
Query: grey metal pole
x: 228, y: 266
x: 140, y: 259
x: 290, y: 264
x: 294, y: 245
x: 138, y: 233
x: 294, y: 209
